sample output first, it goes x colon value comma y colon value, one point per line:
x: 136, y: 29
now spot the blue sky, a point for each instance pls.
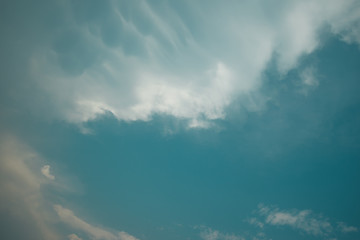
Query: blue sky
x: 181, y: 120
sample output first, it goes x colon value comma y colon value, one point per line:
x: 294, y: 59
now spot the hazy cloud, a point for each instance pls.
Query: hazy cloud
x: 45, y: 170
x: 345, y: 228
x: 22, y: 202
x: 254, y: 221
x: 207, y: 233
x: 68, y: 217
x: 303, y: 220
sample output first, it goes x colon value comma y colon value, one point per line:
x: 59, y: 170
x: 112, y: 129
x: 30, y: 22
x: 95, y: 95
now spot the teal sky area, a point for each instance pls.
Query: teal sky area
x: 180, y: 120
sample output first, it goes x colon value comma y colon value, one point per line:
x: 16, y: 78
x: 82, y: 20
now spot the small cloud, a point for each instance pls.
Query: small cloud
x: 303, y: 220
x: 308, y: 77
x: 345, y: 228
x: 256, y: 222
x: 45, y: 170
x: 211, y: 234
x: 74, y: 237
x: 308, y: 80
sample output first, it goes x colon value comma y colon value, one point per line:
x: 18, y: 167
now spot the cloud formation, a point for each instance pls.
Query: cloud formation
x: 304, y: 220
x: 22, y: 202
x: 345, y: 228
x: 45, y: 170
x: 134, y: 60
x: 68, y: 217
x: 207, y: 233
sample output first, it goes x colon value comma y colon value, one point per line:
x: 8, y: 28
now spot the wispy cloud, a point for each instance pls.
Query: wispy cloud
x: 21, y: 194
x: 345, y: 228
x: 303, y: 220
x: 24, y: 201
x: 68, y: 217
x: 308, y: 80
x: 254, y: 221
x: 45, y: 170
x: 207, y: 233
x: 173, y: 67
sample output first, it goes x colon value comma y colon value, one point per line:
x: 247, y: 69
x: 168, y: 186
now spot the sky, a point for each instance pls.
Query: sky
x: 180, y: 120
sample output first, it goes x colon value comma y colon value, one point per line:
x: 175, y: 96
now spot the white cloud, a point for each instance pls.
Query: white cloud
x: 191, y: 71
x: 45, y: 170
x: 254, y: 221
x: 68, y: 217
x: 345, y: 228
x: 210, y: 234
x: 303, y: 220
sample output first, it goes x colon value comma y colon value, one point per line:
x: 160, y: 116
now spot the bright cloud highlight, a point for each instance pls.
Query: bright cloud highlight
x: 175, y: 68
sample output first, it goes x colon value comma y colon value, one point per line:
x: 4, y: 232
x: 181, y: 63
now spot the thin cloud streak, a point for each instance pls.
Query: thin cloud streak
x: 68, y: 217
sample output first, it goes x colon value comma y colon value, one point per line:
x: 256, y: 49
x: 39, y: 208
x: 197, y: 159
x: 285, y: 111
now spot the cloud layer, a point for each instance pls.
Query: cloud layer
x: 136, y: 59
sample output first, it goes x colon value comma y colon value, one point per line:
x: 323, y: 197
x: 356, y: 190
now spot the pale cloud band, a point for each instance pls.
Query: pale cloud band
x: 97, y: 233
